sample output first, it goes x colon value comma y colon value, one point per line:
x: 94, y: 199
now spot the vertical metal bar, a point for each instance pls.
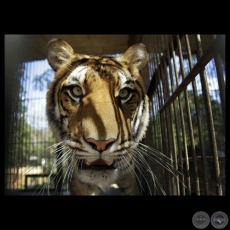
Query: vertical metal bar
x: 171, y: 142
x: 174, y: 155
x: 12, y: 139
x: 16, y: 110
x: 37, y: 140
x: 175, y: 116
x: 151, y: 142
x: 182, y: 122
x: 221, y: 83
x: 35, y: 121
x: 151, y: 57
x: 59, y: 165
x: 151, y: 138
x: 17, y: 137
x: 176, y: 124
x: 164, y: 115
x: 211, y: 128
x: 154, y: 50
x: 189, y: 119
x: 155, y: 117
x: 29, y: 144
x: 159, y: 125
x: 154, y: 64
x: 158, y: 89
x: 158, y: 119
x: 32, y: 131
x: 19, y: 129
x: 26, y: 182
x: 152, y: 127
x: 167, y: 143
x: 198, y: 116
x: 160, y: 99
x: 157, y: 74
x: 25, y: 84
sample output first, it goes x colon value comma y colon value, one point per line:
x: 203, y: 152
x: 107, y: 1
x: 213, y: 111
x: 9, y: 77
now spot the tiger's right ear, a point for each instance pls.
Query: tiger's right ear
x: 59, y: 52
x: 136, y: 55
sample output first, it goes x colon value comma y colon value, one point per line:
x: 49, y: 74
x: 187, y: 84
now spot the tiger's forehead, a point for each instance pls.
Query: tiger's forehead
x: 80, y: 73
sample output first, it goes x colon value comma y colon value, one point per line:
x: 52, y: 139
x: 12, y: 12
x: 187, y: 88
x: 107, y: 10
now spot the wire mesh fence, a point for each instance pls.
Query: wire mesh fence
x: 31, y: 157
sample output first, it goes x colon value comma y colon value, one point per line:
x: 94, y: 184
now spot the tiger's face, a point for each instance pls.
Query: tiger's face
x: 98, y: 109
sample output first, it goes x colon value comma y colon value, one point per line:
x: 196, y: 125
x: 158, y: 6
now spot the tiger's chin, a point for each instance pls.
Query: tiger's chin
x: 92, y: 181
x: 96, y: 179
x: 97, y: 172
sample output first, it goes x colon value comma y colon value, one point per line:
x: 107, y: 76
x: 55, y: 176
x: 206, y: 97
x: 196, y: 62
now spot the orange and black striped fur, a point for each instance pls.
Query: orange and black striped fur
x: 98, y: 110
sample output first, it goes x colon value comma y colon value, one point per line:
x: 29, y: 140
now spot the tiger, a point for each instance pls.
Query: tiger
x: 98, y: 110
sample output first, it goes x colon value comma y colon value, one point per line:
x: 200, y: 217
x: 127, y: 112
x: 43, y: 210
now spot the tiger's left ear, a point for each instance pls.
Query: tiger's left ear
x: 137, y: 55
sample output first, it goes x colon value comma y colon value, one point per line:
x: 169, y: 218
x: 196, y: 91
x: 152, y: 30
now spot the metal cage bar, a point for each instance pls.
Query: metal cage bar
x: 181, y: 112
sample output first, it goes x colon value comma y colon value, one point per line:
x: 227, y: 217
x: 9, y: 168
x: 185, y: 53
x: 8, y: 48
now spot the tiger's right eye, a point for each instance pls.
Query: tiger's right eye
x: 124, y: 93
x: 77, y: 91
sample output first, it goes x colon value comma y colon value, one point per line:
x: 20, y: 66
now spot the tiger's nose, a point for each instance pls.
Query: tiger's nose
x: 100, y: 145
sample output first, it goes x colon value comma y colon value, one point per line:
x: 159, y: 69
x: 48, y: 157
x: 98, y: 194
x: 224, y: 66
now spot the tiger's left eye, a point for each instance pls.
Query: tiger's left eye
x: 77, y: 91
x: 124, y: 93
